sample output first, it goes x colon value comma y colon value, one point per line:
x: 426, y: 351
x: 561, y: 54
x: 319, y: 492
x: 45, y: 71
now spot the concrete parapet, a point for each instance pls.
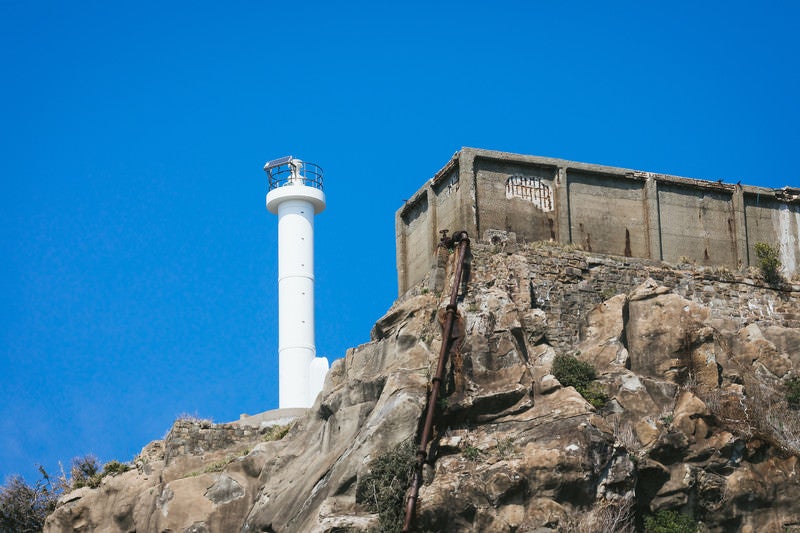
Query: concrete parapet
x: 601, y: 209
x: 274, y: 417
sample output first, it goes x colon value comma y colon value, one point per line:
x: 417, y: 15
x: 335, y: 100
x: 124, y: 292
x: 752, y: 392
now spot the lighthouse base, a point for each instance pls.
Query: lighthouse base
x: 300, y: 377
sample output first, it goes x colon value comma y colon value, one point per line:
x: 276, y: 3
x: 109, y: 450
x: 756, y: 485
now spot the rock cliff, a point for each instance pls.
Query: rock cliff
x: 690, y: 414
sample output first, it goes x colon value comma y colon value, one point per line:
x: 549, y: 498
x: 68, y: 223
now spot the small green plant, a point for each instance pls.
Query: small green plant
x: 472, y: 453
x: 793, y: 392
x: 666, y: 420
x: 594, y: 394
x: 86, y: 472
x: 115, y: 467
x: 383, y: 488
x: 768, y: 262
x: 572, y: 372
x: 669, y: 522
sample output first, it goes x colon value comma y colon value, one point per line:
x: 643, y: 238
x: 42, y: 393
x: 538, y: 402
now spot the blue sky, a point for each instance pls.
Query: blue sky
x: 138, y: 279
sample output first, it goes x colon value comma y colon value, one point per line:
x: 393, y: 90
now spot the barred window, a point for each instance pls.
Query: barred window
x: 532, y: 189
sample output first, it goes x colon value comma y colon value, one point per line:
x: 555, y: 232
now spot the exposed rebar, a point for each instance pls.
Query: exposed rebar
x: 462, y: 240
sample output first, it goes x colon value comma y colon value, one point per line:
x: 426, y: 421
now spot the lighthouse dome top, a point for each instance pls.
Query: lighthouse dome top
x: 293, y: 179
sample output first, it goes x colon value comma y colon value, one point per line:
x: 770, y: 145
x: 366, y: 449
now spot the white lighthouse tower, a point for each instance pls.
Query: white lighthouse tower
x: 295, y: 195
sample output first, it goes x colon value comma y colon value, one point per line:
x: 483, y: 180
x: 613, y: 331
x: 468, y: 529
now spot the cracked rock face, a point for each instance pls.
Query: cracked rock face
x: 695, y: 422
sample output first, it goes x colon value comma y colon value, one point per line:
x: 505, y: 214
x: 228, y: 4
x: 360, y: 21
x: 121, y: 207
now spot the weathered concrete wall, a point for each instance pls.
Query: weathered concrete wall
x: 414, y: 241
x: 697, y: 224
x: 607, y: 214
x: 606, y: 210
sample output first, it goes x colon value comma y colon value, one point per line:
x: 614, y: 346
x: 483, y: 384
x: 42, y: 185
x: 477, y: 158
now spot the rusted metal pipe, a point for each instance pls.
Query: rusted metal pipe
x: 462, y: 238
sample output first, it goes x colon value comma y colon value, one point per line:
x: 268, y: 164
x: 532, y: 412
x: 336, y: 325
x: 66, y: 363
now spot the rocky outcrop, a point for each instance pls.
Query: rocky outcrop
x: 695, y: 420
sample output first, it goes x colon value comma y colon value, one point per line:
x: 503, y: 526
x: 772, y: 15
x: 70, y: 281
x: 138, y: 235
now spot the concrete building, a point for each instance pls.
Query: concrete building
x: 601, y: 209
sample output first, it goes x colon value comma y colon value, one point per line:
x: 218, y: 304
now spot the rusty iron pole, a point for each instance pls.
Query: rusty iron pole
x: 462, y: 238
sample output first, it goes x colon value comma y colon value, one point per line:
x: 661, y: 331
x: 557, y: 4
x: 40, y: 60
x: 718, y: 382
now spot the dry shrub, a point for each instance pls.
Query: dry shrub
x: 276, y: 432
x: 770, y: 416
x: 23, y: 507
x: 624, y: 434
x: 762, y: 411
x: 382, y: 488
x: 609, y: 517
x: 728, y: 407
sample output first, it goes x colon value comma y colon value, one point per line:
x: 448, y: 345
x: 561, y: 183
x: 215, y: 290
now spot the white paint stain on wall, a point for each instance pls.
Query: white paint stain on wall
x: 788, y: 228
